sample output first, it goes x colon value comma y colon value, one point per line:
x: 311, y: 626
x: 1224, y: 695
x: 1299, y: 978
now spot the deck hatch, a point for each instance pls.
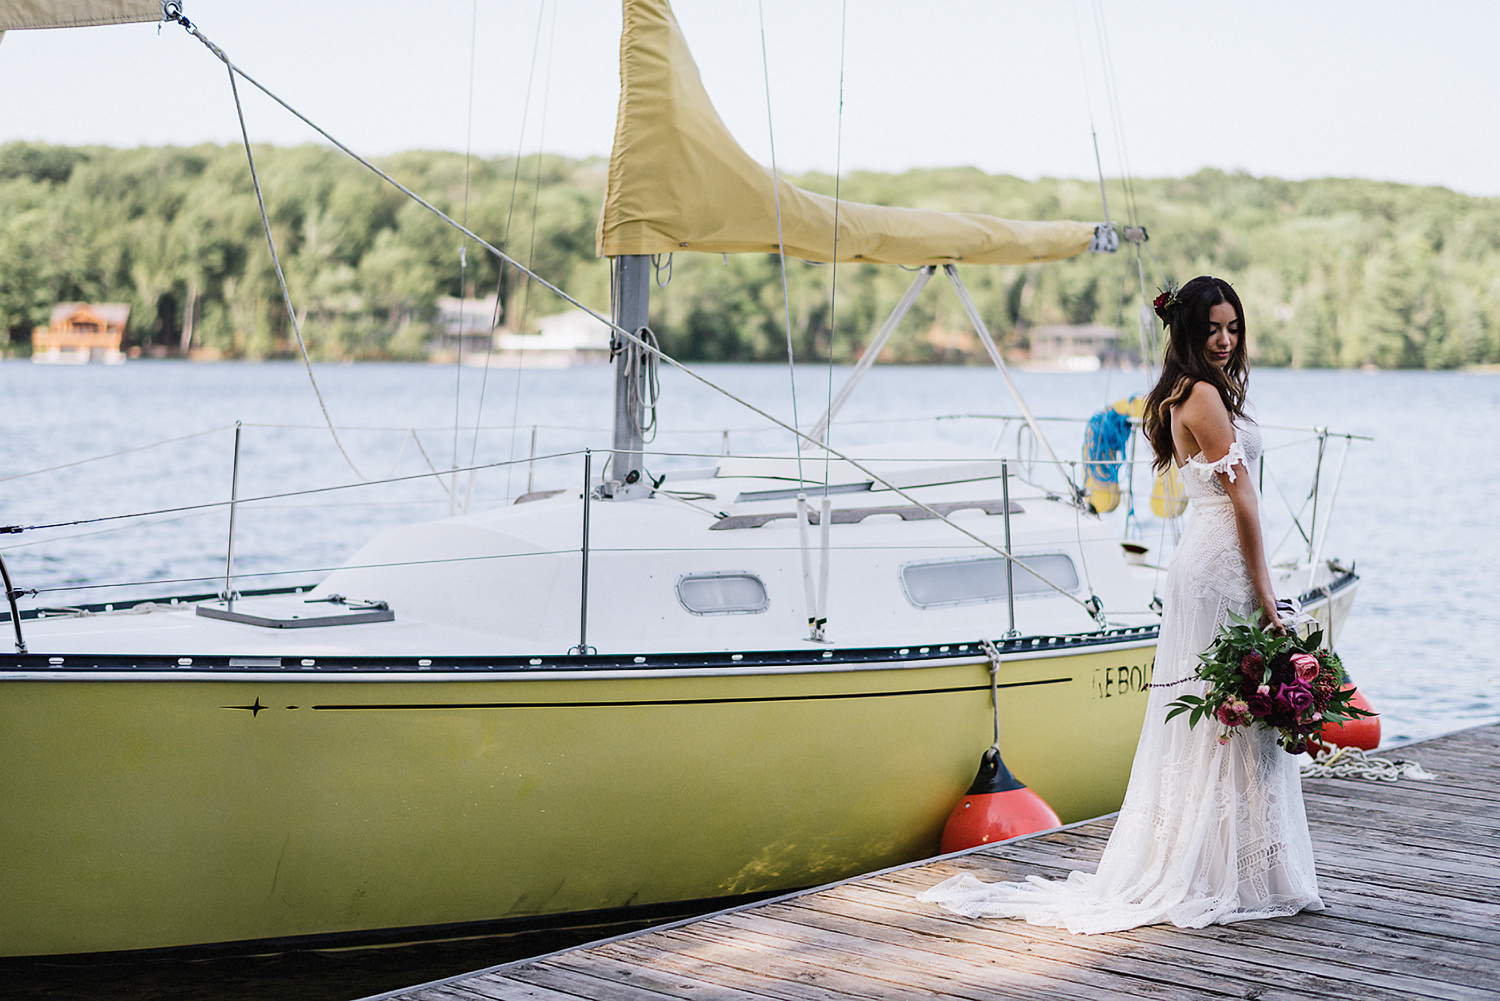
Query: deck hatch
x: 296, y: 614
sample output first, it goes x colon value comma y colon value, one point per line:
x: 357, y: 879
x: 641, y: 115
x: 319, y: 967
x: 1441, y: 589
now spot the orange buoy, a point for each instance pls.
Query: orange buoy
x: 1363, y: 733
x: 996, y: 807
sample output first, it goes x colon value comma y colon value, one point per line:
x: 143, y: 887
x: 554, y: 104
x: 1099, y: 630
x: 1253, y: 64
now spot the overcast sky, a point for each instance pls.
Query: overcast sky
x: 1379, y: 89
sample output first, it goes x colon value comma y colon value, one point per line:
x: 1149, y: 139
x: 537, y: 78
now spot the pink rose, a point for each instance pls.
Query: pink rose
x: 1306, y: 666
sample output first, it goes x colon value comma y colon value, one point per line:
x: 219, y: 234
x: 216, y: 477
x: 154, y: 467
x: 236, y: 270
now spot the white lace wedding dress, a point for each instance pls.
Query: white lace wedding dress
x: 1209, y: 833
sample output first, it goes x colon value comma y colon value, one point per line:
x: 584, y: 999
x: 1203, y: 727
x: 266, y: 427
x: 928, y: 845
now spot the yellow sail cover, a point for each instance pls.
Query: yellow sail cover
x: 679, y: 181
x: 75, y: 13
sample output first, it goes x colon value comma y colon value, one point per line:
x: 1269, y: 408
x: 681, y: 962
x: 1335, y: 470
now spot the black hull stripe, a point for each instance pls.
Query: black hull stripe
x: 678, y: 702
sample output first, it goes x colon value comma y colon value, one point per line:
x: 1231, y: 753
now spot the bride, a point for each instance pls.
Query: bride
x: 1212, y: 829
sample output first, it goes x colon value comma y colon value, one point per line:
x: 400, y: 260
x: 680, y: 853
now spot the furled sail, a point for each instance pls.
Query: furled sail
x: 679, y: 181
x: 75, y: 13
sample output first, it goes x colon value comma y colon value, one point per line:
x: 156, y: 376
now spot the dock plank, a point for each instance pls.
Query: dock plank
x: 1407, y: 869
x: 1212, y: 948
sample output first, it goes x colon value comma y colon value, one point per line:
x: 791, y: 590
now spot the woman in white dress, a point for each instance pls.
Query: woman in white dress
x: 1211, y: 830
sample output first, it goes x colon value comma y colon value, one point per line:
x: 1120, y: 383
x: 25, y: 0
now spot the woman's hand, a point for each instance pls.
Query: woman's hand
x: 1270, y: 621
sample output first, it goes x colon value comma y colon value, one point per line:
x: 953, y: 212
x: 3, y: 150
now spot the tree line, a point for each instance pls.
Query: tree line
x: 1333, y: 272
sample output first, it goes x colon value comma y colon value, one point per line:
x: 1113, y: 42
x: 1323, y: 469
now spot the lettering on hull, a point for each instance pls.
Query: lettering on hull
x: 1122, y: 680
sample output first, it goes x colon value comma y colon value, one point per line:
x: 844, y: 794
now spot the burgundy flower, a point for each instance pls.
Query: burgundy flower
x: 1294, y: 697
x: 1252, y: 664
x: 1163, y: 303
x: 1235, y: 712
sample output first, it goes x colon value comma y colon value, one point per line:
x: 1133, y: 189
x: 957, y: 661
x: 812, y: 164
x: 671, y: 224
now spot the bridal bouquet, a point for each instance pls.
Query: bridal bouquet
x: 1285, y: 683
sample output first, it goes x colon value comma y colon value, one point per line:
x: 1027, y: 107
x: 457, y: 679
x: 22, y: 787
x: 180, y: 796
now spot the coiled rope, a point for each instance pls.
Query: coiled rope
x: 1104, y: 440
x: 1354, y: 763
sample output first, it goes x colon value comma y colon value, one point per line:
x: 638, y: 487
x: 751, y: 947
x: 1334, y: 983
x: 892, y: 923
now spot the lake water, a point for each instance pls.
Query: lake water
x: 1417, y: 510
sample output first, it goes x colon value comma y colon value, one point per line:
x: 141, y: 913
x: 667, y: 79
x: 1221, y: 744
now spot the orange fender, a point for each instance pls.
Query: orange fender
x: 996, y: 807
x: 1363, y: 733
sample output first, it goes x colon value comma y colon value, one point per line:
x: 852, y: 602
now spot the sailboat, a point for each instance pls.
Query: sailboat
x: 786, y: 677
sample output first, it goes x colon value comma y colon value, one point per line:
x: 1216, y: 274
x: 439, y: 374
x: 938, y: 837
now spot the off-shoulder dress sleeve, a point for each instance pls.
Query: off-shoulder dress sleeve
x: 1234, y: 457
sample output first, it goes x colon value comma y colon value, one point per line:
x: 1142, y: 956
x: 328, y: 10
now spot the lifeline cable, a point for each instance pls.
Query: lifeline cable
x: 112, y: 455
x: 17, y: 529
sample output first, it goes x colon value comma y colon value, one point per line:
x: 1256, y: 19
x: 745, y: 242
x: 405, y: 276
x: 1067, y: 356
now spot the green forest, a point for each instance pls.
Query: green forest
x: 1333, y: 273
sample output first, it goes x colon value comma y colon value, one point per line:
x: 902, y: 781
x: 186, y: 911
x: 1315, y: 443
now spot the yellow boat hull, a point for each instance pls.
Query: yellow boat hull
x: 147, y: 811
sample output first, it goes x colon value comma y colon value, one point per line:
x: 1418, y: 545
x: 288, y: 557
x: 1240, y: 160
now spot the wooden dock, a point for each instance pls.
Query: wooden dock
x: 1408, y: 871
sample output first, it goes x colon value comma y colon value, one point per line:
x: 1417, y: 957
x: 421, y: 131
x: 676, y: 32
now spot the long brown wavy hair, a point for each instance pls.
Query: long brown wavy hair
x: 1185, y: 362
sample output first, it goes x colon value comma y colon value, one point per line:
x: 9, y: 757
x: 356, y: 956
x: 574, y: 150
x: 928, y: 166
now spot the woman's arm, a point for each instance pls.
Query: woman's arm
x: 1203, y: 425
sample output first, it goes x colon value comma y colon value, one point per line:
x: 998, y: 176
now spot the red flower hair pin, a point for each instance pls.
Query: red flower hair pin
x: 1166, y: 302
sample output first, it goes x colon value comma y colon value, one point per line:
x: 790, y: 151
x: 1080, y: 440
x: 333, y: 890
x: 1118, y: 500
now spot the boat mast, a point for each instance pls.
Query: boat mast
x: 631, y: 302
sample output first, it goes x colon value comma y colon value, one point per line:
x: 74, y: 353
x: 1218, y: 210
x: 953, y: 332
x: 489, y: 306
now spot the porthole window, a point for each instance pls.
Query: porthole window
x: 727, y: 593
x: 964, y: 582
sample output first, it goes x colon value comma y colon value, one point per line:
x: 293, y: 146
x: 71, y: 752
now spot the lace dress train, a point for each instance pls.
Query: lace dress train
x: 1209, y: 833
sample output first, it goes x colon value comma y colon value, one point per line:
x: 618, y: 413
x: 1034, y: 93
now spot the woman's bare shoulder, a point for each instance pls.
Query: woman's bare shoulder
x: 1203, y: 401
x: 1205, y: 421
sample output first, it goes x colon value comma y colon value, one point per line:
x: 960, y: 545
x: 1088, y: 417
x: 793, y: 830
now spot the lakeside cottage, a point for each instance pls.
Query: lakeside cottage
x: 81, y: 332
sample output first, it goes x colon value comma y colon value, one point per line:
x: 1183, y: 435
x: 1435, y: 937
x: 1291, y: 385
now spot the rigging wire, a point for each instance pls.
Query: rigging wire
x: 286, y: 295
x: 1112, y: 98
x: 510, y: 212
x: 1088, y: 101
x: 631, y: 336
x: 786, y: 299
x: 833, y: 278
x: 536, y: 198
x: 463, y: 250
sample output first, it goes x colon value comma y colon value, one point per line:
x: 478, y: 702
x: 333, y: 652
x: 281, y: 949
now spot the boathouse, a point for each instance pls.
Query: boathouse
x: 81, y: 332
